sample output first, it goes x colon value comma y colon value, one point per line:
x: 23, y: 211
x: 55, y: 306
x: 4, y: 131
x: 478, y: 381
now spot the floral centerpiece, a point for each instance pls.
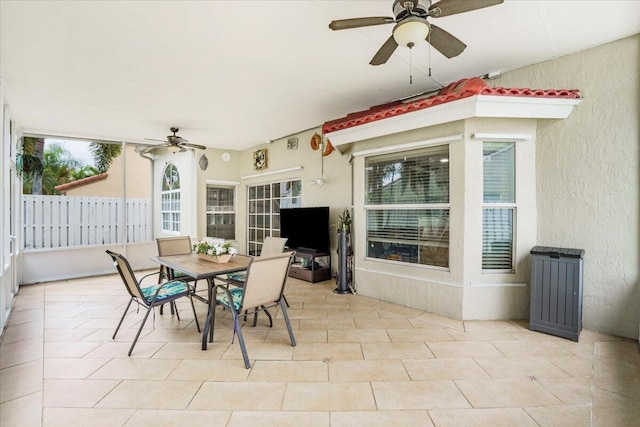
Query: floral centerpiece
x: 216, y: 251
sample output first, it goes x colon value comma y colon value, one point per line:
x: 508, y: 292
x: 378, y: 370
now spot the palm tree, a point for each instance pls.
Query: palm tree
x: 59, y: 168
x: 103, y: 154
x: 30, y: 165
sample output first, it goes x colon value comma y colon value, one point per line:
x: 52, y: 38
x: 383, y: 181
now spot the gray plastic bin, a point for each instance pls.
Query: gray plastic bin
x: 556, y: 291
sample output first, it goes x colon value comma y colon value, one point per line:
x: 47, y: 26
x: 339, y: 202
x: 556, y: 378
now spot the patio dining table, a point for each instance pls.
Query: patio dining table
x: 194, y: 266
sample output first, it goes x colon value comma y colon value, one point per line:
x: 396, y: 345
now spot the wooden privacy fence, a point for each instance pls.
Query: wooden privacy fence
x: 66, y: 221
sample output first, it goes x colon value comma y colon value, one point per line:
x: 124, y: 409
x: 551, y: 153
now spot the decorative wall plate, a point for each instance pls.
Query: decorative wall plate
x: 203, y: 162
x: 225, y: 157
x: 260, y: 159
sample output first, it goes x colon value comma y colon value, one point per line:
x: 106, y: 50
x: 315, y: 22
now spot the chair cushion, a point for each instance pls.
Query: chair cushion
x: 171, y: 289
x: 240, y: 276
x: 236, y: 295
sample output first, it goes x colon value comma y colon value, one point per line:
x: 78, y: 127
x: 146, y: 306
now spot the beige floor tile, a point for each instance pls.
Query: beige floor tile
x: 301, y: 336
x: 23, y: 331
x: 117, y: 349
x: 445, y: 322
x: 459, y: 335
x: 135, y: 369
x: 401, y: 350
x: 29, y: 315
x: 418, y: 395
x: 170, y: 418
x: 396, y: 323
x: 530, y: 348
x: 626, y: 350
x: 381, y: 419
x: 328, y: 352
x: 260, y: 351
x: 75, y: 393
x: 64, y: 323
x: 491, y: 325
x: 505, y: 393
x: 65, y: 417
x: 72, y: 367
x: 20, y: 380
x: 462, y: 349
x: 279, y: 419
x: 571, y: 391
x: 444, y: 369
x: 190, y: 350
x: 325, y: 324
x: 367, y: 370
x: 418, y: 335
x: 57, y: 349
x: 561, y: 416
x: 359, y: 361
x: 209, y: 370
x: 494, y: 417
x: 24, y: 411
x: 138, y: 394
x: 611, y: 409
x: 534, y: 367
x: 617, y: 376
x: 358, y: 336
x: 239, y: 396
x: 20, y: 352
x: 329, y: 397
x: 69, y: 334
x: 573, y: 365
x: 288, y: 371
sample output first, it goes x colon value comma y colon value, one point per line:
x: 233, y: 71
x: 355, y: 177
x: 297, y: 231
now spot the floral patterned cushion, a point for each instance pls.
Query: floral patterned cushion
x: 170, y: 289
x: 236, y: 295
x: 240, y: 276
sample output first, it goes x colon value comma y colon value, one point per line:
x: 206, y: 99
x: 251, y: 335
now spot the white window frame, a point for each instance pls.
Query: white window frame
x: 502, y: 205
x: 170, y: 203
x: 226, y: 185
x: 408, y: 148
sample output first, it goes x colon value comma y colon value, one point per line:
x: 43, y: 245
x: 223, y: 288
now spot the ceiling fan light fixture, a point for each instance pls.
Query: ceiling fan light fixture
x: 174, y: 148
x: 411, y: 31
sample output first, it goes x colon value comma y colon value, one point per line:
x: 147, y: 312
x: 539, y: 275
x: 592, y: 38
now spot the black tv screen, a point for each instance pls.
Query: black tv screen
x: 306, y: 228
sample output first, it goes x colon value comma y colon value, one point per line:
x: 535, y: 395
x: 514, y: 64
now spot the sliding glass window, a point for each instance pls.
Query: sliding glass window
x: 407, y: 205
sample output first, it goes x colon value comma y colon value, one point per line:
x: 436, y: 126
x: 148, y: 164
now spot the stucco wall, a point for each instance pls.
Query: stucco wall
x: 588, y: 174
x: 138, y: 179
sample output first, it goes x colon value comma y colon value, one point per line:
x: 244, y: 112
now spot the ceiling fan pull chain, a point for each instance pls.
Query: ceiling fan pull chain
x: 410, y: 66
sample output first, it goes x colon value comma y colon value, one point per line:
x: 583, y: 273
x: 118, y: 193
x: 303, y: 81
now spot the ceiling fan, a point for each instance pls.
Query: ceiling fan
x: 412, y: 26
x: 177, y: 143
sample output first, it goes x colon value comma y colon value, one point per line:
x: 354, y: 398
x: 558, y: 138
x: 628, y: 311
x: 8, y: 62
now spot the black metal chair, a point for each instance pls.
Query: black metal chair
x: 150, y: 296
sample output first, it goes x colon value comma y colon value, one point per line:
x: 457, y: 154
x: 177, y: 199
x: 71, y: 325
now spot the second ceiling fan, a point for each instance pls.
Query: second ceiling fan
x: 412, y: 26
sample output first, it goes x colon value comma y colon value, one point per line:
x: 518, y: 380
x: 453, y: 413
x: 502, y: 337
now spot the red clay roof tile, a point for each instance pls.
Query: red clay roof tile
x: 463, y: 88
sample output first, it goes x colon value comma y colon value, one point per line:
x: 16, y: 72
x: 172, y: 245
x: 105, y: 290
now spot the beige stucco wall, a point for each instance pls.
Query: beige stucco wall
x: 335, y: 193
x: 138, y: 179
x: 588, y: 175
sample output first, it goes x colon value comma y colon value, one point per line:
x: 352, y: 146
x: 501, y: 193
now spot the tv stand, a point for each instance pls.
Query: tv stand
x: 311, y: 267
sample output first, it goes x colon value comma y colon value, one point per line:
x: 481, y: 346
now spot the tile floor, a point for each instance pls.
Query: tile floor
x: 358, y: 361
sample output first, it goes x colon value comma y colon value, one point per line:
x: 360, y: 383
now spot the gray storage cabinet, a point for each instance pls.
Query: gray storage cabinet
x: 556, y: 291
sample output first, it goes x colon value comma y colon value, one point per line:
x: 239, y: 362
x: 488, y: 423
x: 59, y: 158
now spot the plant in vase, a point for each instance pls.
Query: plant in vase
x: 217, y: 252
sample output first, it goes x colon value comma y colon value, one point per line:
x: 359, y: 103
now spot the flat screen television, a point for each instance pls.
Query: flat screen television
x: 306, y: 228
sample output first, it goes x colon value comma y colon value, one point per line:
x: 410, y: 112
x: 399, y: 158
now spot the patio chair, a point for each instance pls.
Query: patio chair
x: 175, y: 246
x: 263, y: 289
x: 270, y: 246
x: 150, y: 296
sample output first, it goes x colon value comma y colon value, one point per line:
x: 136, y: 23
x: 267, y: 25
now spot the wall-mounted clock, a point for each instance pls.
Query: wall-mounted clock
x: 260, y: 159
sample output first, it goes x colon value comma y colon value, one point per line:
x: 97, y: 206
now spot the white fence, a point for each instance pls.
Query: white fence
x: 65, y: 221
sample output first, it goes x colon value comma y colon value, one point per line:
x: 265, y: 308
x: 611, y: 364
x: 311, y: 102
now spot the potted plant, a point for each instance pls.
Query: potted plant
x: 345, y: 221
x: 218, y: 251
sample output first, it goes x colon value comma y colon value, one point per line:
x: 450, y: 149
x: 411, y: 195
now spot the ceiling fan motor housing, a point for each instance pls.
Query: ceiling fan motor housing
x: 416, y: 8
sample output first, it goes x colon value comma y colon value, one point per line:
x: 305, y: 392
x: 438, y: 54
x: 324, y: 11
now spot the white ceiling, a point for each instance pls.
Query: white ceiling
x: 234, y: 74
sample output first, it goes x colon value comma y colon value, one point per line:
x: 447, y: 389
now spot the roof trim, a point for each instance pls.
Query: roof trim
x: 80, y: 182
x: 460, y: 100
